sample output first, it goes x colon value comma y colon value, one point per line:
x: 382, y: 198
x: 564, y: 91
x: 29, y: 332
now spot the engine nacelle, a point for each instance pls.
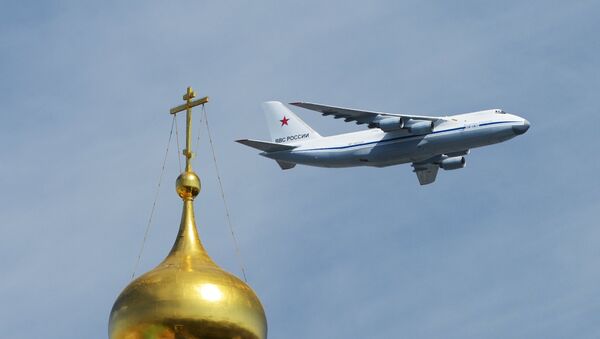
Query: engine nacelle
x: 419, y: 126
x: 389, y: 124
x: 453, y: 163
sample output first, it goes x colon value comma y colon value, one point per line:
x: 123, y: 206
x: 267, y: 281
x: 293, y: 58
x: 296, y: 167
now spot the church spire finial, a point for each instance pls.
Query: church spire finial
x: 188, y: 183
x: 187, y: 295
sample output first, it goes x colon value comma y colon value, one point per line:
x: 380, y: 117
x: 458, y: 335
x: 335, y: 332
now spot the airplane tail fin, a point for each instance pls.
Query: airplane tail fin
x: 285, y: 126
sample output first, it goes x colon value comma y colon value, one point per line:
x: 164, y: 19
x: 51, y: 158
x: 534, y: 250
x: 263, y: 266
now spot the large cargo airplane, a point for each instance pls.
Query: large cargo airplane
x: 428, y: 142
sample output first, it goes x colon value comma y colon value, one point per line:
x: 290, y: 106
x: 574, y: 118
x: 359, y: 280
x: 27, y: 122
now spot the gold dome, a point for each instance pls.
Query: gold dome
x: 187, y: 295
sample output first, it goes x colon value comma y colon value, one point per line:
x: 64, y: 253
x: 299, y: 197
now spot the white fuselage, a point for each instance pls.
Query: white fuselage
x: 374, y: 147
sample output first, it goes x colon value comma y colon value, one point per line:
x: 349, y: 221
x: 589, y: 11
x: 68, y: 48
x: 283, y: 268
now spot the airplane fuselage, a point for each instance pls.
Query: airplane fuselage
x: 374, y: 147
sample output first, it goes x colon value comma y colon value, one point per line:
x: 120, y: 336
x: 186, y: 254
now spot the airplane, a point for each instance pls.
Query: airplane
x: 428, y: 142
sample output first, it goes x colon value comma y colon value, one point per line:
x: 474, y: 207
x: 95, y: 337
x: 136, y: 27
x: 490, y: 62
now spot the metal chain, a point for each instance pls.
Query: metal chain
x: 162, y: 171
x: 177, y: 137
x: 199, y: 131
x: 227, y: 215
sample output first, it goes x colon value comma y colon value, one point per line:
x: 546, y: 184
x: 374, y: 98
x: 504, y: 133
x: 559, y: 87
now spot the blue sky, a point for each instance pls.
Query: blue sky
x: 506, y: 248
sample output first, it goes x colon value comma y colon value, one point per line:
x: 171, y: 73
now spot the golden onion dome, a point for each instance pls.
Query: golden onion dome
x: 187, y: 295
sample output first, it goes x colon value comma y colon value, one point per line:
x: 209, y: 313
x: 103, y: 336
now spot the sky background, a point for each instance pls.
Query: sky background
x: 508, y: 247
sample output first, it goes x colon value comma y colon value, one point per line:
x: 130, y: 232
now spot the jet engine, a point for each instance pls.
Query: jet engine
x: 389, y: 124
x: 419, y: 126
x: 452, y: 163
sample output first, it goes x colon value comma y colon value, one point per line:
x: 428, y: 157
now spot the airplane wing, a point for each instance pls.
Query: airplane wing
x: 427, y: 170
x: 426, y: 173
x: 360, y: 116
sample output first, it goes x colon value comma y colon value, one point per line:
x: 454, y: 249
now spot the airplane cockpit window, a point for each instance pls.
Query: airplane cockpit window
x: 499, y: 111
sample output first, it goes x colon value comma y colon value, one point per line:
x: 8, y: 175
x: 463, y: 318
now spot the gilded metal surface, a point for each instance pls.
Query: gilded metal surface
x: 185, y: 106
x: 187, y: 185
x: 187, y: 295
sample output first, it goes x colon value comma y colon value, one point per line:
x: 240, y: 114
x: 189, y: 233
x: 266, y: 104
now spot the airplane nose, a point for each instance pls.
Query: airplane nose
x: 522, y: 128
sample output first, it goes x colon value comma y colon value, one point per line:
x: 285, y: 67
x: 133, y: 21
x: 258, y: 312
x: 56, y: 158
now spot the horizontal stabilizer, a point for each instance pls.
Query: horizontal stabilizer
x: 266, y: 146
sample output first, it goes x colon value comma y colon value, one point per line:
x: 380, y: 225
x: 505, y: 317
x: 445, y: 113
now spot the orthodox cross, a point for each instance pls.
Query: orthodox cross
x: 189, y: 103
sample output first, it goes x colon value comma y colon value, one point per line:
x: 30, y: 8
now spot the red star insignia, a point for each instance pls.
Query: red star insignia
x: 284, y: 121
